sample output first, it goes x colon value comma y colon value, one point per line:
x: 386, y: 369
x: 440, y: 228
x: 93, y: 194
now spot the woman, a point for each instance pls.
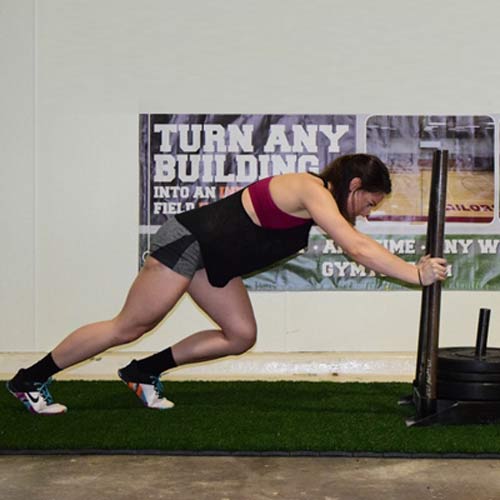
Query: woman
x: 204, y: 252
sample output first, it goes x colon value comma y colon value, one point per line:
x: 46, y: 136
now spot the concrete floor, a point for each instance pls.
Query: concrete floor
x: 241, y: 478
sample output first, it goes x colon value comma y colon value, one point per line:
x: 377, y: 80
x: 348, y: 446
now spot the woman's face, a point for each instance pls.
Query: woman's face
x: 360, y: 202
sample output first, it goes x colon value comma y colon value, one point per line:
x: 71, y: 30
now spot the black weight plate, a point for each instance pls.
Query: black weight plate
x: 468, y: 376
x: 468, y: 391
x: 463, y: 359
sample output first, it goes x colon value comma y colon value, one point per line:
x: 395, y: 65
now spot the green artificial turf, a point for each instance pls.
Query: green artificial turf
x: 238, y: 417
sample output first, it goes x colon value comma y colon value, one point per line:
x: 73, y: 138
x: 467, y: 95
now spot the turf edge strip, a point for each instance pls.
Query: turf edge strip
x: 215, y: 453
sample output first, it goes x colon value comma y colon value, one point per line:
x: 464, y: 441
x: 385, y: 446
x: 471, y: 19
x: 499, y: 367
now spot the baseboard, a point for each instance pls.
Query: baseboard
x: 334, y: 366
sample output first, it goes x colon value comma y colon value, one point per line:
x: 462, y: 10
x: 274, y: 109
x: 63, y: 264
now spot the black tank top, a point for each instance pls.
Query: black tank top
x: 233, y: 245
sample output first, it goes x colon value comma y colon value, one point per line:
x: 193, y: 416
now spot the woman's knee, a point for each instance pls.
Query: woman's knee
x: 243, y: 338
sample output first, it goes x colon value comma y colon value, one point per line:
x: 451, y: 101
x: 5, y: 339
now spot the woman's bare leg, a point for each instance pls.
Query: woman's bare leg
x: 231, y: 309
x: 153, y: 294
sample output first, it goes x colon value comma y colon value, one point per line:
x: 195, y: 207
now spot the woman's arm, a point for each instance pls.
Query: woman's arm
x: 324, y: 210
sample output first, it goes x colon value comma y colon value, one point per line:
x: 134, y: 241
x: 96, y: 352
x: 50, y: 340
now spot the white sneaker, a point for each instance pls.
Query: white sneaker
x: 150, y: 395
x: 36, y: 397
x: 150, y: 392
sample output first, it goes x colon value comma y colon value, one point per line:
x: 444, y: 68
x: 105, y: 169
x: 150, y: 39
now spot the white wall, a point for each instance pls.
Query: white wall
x: 80, y: 72
x: 17, y: 176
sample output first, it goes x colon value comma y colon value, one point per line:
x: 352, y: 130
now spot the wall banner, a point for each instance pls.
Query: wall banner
x: 190, y: 160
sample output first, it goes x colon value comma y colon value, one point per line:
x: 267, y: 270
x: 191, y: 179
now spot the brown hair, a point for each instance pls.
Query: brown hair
x: 373, y: 173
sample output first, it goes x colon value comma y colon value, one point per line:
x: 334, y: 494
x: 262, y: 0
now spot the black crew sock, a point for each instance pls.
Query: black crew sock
x: 157, y: 363
x: 40, y: 371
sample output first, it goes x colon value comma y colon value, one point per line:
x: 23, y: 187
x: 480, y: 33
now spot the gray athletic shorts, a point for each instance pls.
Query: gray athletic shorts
x: 175, y: 247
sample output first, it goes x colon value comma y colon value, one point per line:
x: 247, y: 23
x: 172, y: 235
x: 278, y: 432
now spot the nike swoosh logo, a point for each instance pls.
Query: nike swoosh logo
x: 32, y: 399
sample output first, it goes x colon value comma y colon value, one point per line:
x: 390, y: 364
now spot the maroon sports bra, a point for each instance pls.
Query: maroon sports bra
x: 269, y: 214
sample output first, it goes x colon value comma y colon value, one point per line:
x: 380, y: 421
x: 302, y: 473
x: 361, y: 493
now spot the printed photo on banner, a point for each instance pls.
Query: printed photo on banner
x: 406, y: 143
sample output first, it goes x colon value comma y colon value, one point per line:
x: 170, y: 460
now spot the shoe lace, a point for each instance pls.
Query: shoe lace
x: 158, y: 386
x: 43, y: 389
